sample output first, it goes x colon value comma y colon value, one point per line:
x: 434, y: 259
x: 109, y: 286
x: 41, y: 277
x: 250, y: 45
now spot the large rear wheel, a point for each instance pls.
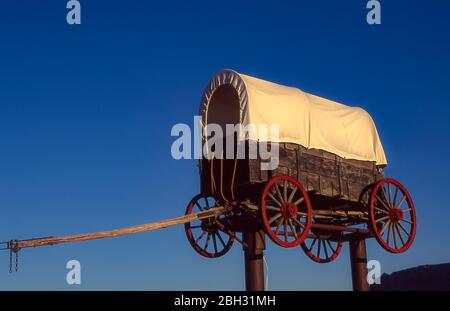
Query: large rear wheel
x: 392, y: 215
x: 286, y: 211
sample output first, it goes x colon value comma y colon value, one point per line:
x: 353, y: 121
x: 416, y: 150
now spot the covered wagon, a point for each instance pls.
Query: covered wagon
x: 328, y: 179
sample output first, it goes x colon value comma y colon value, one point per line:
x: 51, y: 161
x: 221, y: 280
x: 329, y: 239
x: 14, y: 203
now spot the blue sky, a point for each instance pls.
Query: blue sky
x: 86, y: 113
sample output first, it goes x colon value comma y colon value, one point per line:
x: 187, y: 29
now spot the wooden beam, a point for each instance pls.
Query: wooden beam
x: 213, y: 212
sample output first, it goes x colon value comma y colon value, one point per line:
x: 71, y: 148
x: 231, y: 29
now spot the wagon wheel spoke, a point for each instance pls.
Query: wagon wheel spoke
x: 233, y: 235
x: 292, y: 228
x: 273, y: 199
x: 220, y: 238
x: 382, y: 219
x: 215, y: 243
x: 207, y: 203
x: 200, y: 237
x: 381, y: 196
x: 226, y: 231
x: 277, y: 230
x: 299, y: 201
x: 394, y: 233
x: 385, y: 226
x: 331, y: 246
x: 389, y: 234
x: 319, y: 244
x: 394, y: 202
x: 207, y: 241
x: 291, y: 196
x: 389, y: 196
x: 404, y: 229
x: 229, y: 233
x: 407, y: 221
x: 199, y: 206
x: 312, y: 244
x: 271, y: 220
x: 399, y: 234
x: 277, y: 189
x: 298, y: 222
x: 382, y: 202
x: 325, y: 249
x: 285, y: 230
x: 273, y: 208
x: 401, y: 201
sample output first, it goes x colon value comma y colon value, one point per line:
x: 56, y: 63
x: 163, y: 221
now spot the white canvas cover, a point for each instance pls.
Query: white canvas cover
x: 303, y: 118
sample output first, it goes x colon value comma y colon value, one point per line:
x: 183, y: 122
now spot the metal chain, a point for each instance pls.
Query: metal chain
x: 10, y: 261
x: 17, y: 260
x: 13, y: 249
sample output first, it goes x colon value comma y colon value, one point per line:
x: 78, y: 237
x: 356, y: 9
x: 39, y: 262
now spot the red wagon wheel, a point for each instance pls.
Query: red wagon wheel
x: 286, y: 211
x: 321, y: 249
x: 392, y: 215
x: 209, y: 237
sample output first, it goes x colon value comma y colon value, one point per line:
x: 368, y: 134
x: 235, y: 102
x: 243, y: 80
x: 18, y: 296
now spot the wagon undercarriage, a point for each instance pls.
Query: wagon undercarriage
x: 292, y: 216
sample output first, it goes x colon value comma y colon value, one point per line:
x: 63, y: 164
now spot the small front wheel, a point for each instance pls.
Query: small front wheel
x: 209, y: 237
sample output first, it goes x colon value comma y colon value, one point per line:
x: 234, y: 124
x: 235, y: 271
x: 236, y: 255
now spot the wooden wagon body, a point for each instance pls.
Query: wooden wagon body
x: 322, y: 173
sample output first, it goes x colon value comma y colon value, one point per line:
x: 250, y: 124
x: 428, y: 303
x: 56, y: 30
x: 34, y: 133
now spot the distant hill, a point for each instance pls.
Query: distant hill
x: 428, y: 277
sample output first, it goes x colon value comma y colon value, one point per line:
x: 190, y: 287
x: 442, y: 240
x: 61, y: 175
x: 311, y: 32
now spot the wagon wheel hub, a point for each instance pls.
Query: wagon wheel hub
x: 396, y: 214
x: 289, y: 210
x: 209, y: 225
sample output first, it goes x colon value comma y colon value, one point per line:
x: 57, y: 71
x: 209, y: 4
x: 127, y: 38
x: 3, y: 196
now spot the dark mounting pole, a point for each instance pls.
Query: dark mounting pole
x: 358, y: 259
x: 254, y: 262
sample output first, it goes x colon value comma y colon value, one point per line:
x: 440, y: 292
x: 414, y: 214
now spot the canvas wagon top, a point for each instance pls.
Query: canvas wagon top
x: 303, y: 118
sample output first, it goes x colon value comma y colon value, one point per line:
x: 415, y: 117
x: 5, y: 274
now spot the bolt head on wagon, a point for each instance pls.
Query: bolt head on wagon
x: 328, y: 183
